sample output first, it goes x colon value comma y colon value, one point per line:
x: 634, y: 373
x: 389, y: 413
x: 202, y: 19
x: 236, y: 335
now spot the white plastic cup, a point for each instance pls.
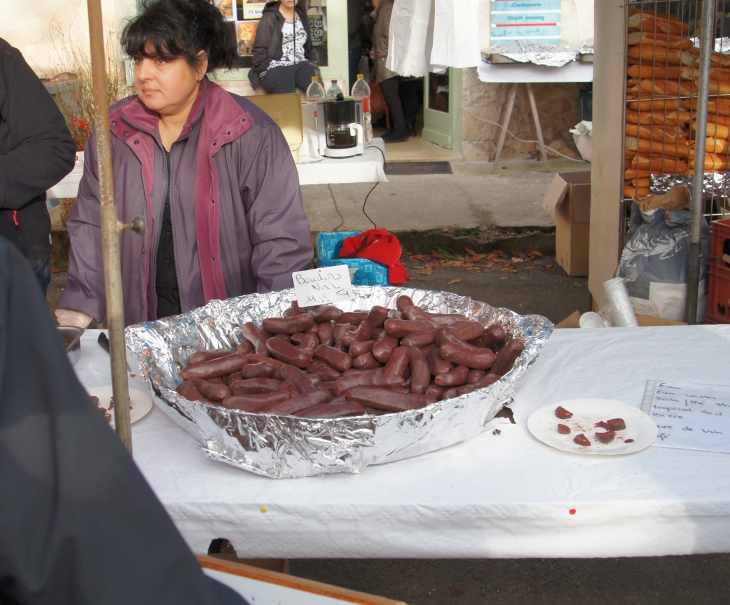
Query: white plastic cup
x: 591, y: 320
x: 618, y: 300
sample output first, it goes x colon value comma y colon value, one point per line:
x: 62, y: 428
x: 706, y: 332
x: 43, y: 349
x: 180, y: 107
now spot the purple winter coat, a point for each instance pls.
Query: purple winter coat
x: 237, y: 216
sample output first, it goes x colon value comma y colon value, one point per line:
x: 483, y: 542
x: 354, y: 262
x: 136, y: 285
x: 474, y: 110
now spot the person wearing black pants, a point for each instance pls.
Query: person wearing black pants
x: 410, y: 102
x: 283, y: 50
x: 389, y: 80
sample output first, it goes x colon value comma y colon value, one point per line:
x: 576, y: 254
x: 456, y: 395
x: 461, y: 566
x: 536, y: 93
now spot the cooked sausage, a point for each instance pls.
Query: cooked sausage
x: 257, y: 336
x: 384, y: 348
x: 386, y: 399
x: 211, y: 390
x: 308, y: 343
x: 346, y: 383
x: 262, y: 369
x: 434, y: 390
x: 352, y: 317
x: 233, y: 377
x: 437, y: 364
x: 208, y: 355
x: 493, y: 337
x: 332, y: 410
x: 421, y: 339
x: 376, y: 316
x: 325, y: 333
x: 324, y: 312
x: 461, y: 330
x: 361, y: 346
x: 301, y: 402
x: 449, y: 394
x: 462, y: 353
x: 339, y: 360
x: 339, y: 331
x: 254, y: 386
x: 299, y: 378
x: 254, y: 358
x: 214, y: 367
x: 288, y: 353
x: 403, y: 302
x: 366, y: 361
x: 475, y: 376
x: 453, y: 378
x: 245, y: 348
x: 288, y: 325
x: 353, y: 371
x: 324, y: 371
x: 507, y: 356
x: 360, y: 333
x: 187, y: 390
x: 420, y: 370
x: 397, y: 363
x: 292, y: 311
x: 445, y: 319
x: 253, y: 403
x: 398, y: 328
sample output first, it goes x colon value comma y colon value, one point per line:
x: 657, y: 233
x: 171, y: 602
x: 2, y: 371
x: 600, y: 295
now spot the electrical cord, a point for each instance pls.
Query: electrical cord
x: 522, y: 140
x: 334, y: 201
x: 366, y: 201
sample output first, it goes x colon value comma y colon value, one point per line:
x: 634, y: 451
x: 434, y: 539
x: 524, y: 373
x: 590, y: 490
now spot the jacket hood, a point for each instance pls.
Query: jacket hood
x: 274, y: 6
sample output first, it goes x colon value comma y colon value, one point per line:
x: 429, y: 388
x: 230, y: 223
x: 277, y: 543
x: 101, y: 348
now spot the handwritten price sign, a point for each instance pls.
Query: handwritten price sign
x: 323, y: 286
x: 690, y: 416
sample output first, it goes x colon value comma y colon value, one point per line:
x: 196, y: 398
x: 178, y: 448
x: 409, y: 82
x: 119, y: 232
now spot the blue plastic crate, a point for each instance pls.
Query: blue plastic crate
x: 368, y: 272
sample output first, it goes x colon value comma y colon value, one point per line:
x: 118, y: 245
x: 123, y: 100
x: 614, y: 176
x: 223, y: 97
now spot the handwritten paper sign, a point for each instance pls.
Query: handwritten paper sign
x: 323, y: 286
x: 689, y: 416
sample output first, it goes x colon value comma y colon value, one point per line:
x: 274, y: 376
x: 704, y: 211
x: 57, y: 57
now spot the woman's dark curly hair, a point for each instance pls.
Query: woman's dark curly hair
x: 169, y: 29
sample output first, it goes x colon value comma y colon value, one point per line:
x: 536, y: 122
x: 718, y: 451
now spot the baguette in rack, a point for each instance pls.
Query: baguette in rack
x: 659, y: 165
x: 716, y: 107
x: 671, y: 72
x: 712, y: 145
x: 659, y: 23
x: 661, y: 54
x: 719, y: 131
x: 660, y: 39
x: 670, y: 118
x: 712, y: 162
x: 656, y: 104
x: 657, y: 133
x: 657, y: 148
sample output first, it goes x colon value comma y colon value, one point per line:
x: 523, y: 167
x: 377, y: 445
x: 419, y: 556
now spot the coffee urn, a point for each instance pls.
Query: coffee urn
x: 340, y: 133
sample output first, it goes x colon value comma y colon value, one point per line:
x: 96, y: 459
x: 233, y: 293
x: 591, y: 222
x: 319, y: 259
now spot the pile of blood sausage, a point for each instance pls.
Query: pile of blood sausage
x: 321, y: 362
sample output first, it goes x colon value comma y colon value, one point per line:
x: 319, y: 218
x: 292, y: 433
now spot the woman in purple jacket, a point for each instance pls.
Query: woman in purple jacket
x: 211, y: 173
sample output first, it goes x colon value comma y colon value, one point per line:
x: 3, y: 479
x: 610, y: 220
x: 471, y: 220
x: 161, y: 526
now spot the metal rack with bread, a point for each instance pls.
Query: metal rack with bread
x: 662, y: 98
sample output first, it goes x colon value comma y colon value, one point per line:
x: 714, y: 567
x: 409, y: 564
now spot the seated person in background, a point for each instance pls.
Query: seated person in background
x: 282, y: 50
x: 211, y: 173
x: 79, y: 523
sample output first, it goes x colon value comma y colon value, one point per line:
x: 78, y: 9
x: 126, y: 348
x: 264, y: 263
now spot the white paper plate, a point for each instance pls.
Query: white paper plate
x: 140, y: 402
x: 543, y: 424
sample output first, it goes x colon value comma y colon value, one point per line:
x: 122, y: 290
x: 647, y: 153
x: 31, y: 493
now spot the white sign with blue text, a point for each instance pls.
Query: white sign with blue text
x: 323, y: 286
x: 689, y: 416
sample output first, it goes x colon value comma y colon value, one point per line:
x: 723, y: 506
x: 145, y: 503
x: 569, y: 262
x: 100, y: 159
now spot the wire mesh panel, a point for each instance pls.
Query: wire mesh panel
x: 662, y: 99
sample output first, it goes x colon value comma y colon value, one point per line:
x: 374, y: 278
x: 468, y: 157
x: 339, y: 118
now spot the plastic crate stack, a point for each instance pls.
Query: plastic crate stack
x: 661, y: 96
x: 718, y: 298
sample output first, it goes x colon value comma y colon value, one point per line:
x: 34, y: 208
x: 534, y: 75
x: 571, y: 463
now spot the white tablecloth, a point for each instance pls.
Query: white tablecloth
x: 504, y: 495
x: 365, y: 168
x: 528, y: 72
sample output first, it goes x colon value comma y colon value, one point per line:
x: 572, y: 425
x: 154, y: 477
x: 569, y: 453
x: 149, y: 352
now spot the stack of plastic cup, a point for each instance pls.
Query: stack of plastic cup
x: 618, y: 300
x: 591, y: 320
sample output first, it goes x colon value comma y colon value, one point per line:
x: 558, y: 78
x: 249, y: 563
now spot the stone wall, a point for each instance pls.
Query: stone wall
x: 558, y: 106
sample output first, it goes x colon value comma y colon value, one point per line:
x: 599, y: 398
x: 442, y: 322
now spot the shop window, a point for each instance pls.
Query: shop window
x: 438, y: 92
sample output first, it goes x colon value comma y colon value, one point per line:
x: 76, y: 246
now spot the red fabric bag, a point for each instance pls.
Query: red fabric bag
x: 379, y: 246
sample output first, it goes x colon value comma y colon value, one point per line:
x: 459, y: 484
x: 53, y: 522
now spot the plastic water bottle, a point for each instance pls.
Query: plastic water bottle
x: 315, y: 91
x: 315, y: 94
x: 361, y: 90
x: 334, y: 90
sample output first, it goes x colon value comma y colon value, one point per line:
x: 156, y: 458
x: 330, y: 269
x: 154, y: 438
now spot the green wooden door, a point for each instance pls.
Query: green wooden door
x: 442, y: 109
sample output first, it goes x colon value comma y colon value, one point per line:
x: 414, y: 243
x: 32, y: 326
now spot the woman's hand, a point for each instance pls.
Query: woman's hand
x: 372, y: 54
x: 66, y: 317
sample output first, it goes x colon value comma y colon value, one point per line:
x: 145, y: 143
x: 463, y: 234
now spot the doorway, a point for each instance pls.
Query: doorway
x: 442, y: 109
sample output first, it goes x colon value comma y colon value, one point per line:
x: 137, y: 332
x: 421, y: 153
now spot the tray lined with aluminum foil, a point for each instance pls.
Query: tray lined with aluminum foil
x: 288, y: 446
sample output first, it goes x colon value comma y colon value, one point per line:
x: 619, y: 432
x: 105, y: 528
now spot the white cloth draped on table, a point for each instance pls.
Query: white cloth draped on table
x: 431, y: 35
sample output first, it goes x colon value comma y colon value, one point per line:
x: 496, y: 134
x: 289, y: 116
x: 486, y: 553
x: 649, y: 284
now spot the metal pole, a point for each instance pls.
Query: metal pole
x: 707, y: 40
x: 110, y: 228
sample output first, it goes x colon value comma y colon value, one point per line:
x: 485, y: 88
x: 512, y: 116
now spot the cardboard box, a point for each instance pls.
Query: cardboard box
x: 644, y: 320
x: 286, y: 111
x: 568, y: 201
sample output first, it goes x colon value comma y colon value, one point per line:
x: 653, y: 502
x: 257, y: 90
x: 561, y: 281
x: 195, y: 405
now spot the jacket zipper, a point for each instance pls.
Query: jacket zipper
x: 15, y: 218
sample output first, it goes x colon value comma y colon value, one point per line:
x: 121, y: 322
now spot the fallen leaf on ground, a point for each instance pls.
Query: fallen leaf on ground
x: 548, y: 266
x: 506, y: 277
x: 454, y: 281
x: 529, y: 268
